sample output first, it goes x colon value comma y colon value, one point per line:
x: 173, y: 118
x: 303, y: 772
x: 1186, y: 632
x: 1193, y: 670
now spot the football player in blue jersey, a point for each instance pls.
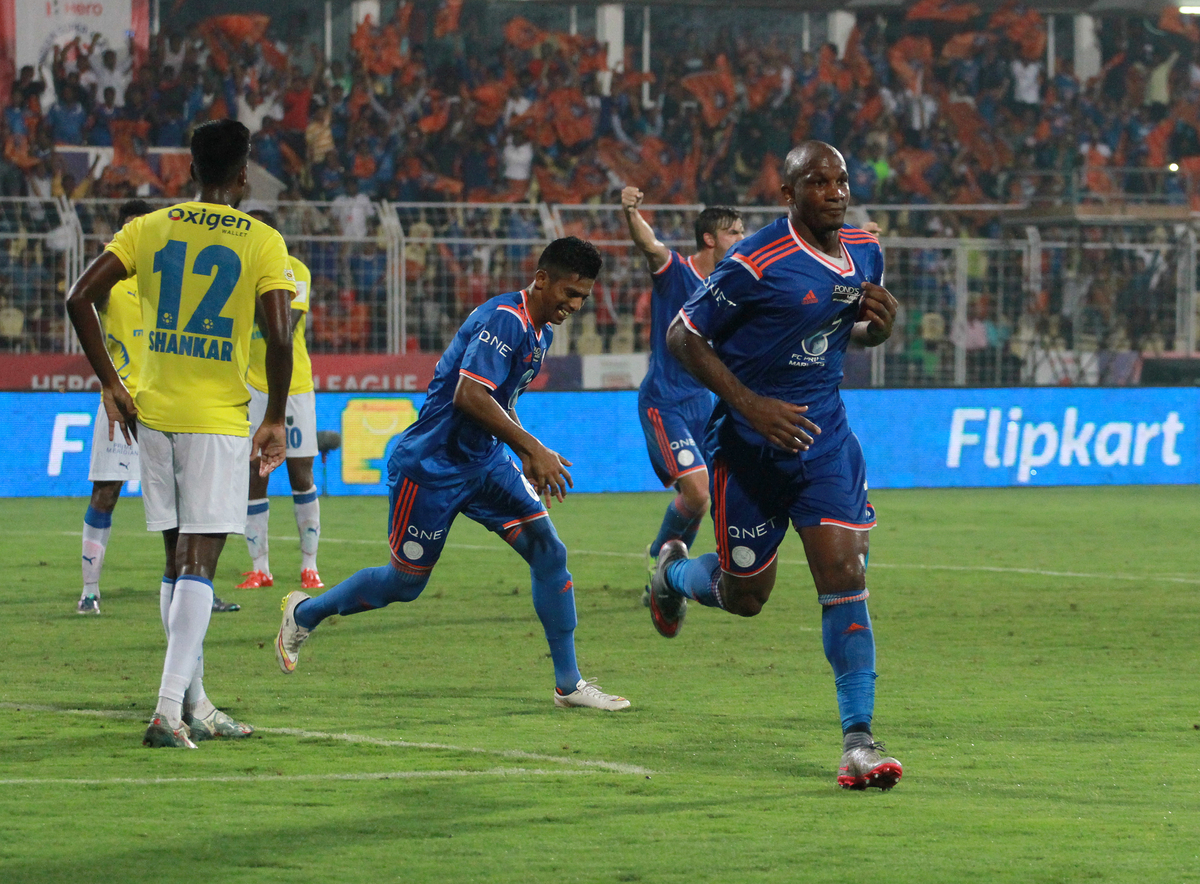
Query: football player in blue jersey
x: 673, y: 406
x: 767, y: 332
x: 451, y: 461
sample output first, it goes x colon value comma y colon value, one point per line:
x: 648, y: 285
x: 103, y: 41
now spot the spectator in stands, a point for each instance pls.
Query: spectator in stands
x: 67, y: 118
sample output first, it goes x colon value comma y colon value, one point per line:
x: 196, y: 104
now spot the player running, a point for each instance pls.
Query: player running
x: 780, y: 312
x: 301, y: 424
x: 672, y: 405
x: 203, y: 268
x: 451, y: 461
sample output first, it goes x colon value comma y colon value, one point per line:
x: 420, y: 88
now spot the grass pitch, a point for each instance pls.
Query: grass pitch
x: 1038, y: 673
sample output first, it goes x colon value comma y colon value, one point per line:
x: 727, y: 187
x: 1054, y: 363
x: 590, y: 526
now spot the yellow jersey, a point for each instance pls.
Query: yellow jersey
x: 200, y: 268
x: 121, y: 317
x: 302, y: 377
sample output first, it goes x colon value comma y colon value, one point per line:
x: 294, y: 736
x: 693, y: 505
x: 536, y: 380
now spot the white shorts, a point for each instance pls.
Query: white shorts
x: 301, y: 421
x: 112, y: 461
x: 196, y: 482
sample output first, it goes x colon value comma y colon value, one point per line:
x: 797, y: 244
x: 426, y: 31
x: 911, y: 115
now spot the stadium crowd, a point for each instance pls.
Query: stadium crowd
x: 933, y: 105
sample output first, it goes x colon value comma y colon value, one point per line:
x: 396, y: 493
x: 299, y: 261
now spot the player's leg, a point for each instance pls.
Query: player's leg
x: 738, y: 577
x: 307, y: 506
x: 97, y: 526
x: 833, y: 518
x: 302, y: 449
x: 676, y: 459
x: 419, y: 519
x: 209, y: 485
x: 508, y: 505
x: 258, y: 509
x: 113, y: 463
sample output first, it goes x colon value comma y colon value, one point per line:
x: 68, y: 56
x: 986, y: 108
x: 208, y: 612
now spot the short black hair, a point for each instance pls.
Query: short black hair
x: 220, y: 148
x: 132, y: 209
x: 712, y: 219
x: 571, y: 255
x: 266, y: 216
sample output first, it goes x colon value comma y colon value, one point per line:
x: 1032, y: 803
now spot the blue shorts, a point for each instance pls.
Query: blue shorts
x: 499, y: 497
x: 674, y: 435
x: 757, y: 491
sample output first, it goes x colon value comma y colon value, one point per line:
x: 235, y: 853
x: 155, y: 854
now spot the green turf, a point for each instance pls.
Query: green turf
x: 1047, y: 722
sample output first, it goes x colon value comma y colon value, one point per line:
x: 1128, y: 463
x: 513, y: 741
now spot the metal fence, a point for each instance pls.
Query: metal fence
x: 1029, y: 303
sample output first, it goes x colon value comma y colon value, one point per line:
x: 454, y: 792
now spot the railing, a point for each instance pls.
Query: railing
x: 1037, y: 303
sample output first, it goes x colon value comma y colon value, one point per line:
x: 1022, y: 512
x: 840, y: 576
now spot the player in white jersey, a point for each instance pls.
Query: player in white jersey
x: 114, y: 461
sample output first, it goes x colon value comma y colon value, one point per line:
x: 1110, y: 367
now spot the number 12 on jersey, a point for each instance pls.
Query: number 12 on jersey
x: 219, y: 263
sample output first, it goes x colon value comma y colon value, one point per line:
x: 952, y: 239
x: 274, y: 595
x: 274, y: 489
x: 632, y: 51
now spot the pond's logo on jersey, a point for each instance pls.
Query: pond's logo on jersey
x: 205, y: 218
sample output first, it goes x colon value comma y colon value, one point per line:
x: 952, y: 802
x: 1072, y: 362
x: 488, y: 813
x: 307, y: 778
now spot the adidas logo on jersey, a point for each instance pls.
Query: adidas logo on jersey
x: 810, y: 298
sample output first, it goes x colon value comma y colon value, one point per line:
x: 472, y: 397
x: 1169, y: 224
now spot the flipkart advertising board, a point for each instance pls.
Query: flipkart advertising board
x: 1024, y: 437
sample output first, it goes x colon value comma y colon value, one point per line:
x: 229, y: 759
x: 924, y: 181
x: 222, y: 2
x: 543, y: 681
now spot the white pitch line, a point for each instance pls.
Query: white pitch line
x: 590, y: 764
x: 990, y: 569
x: 299, y: 778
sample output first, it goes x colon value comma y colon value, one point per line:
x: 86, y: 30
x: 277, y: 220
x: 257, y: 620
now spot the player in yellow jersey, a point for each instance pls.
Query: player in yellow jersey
x: 114, y: 461
x: 203, y: 269
x: 301, y: 440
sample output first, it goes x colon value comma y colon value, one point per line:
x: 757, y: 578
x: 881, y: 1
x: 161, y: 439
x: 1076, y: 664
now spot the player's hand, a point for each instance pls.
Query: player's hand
x: 781, y: 423
x: 121, y: 411
x: 269, y: 447
x: 547, y: 472
x: 876, y: 313
x: 631, y: 198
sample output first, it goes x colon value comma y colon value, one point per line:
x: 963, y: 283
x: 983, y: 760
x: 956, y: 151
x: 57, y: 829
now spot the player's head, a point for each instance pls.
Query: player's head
x: 220, y: 152
x: 566, y: 272
x: 718, y: 228
x: 816, y: 186
x: 132, y: 209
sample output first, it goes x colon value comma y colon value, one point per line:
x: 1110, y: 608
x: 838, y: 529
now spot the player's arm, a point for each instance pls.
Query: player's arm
x: 270, y: 440
x: 876, y: 313
x: 657, y: 254
x: 90, y: 289
x: 780, y: 423
x: 545, y: 469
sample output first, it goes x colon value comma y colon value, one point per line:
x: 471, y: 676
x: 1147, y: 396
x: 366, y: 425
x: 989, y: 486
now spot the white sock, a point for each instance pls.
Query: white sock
x: 191, y: 609
x: 258, y: 514
x: 308, y: 523
x: 95, y: 542
x: 166, y: 590
x: 195, y: 701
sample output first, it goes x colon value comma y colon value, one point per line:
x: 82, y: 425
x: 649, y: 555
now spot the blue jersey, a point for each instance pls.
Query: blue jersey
x: 498, y: 346
x: 666, y: 381
x: 779, y: 314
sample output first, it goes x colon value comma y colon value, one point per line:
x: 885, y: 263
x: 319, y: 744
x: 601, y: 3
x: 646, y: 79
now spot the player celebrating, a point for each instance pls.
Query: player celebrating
x: 672, y: 405
x: 780, y: 312
x: 114, y: 461
x: 202, y: 267
x: 301, y: 440
x: 451, y: 461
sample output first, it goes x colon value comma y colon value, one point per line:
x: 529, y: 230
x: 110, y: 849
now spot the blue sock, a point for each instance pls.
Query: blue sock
x: 676, y: 525
x: 553, y: 594
x: 97, y: 519
x: 850, y: 649
x: 698, y: 579
x: 368, y: 589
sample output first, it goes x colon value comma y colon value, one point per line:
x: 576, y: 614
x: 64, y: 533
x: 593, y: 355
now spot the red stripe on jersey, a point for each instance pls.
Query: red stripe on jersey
x: 664, y: 442
x: 515, y: 312
x: 755, y: 255
x: 749, y: 265
x: 404, y: 502
x: 521, y: 521
x: 478, y: 378
x: 663, y: 269
x: 792, y: 251
x: 764, y: 259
